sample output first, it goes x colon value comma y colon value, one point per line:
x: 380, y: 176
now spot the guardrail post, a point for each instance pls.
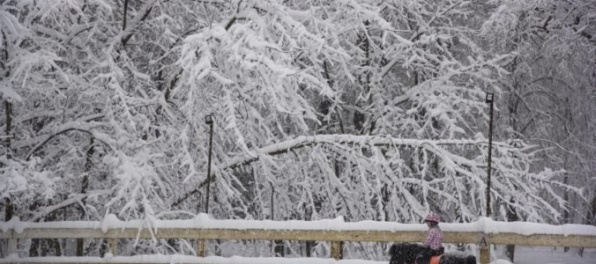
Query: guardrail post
x: 337, y: 249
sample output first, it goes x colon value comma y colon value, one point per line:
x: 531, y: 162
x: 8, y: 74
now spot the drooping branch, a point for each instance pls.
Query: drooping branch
x: 303, y: 141
x: 339, y: 139
x: 75, y: 199
x: 81, y: 126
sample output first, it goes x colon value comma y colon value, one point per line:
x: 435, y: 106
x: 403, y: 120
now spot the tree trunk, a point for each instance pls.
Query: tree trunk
x: 8, y: 206
x: 8, y: 209
x: 85, y: 186
x: 278, y: 245
x: 511, y: 216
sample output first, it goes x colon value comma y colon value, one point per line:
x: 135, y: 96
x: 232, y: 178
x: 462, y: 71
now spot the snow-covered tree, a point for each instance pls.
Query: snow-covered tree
x: 548, y: 97
x: 548, y: 94
x: 359, y: 109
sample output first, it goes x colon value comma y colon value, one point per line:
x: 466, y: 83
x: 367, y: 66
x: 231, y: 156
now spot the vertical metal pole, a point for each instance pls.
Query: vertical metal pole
x: 209, y: 167
x: 489, y: 169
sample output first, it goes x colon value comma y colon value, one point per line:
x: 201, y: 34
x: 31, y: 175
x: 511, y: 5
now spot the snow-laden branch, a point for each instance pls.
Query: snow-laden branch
x: 361, y: 140
x: 74, y: 199
x: 81, y: 126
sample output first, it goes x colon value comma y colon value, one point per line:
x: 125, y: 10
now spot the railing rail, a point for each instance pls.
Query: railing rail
x: 336, y: 233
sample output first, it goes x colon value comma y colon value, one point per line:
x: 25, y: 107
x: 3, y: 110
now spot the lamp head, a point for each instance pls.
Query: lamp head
x: 209, y: 119
x: 489, y: 97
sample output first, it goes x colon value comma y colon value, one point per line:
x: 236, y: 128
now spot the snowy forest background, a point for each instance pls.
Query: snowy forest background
x: 368, y: 110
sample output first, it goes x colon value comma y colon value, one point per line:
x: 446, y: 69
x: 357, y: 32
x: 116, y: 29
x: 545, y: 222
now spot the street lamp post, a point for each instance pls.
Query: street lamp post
x: 209, y: 121
x: 489, y: 100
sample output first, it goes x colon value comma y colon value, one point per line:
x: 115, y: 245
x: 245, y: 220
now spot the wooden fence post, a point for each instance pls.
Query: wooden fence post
x: 337, y: 249
x: 113, y: 246
x: 12, y: 245
x: 201, y: 243
x: 484, y: 255
x: 484, y: 249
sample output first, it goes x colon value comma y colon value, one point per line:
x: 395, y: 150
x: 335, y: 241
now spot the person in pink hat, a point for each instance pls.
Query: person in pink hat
x: 433, y: 241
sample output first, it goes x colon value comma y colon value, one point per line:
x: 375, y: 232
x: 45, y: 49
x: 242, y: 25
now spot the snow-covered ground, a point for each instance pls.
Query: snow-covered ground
x: 524, y: 255
x: 549, y: 255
